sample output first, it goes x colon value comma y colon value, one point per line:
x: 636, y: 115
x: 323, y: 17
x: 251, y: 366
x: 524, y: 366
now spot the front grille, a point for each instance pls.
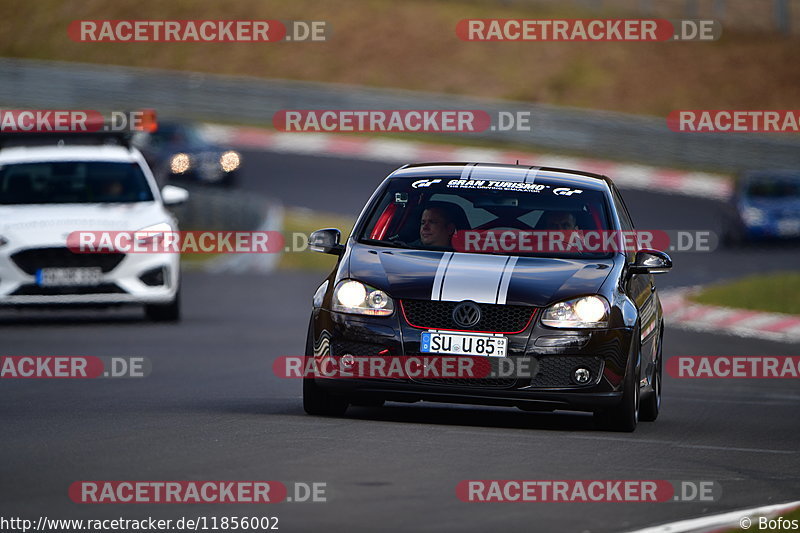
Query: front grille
x: 35, y: 290
x: 479, y: 369
x: 556, y: 370
x: 428, y: 314
x: 33, y: 259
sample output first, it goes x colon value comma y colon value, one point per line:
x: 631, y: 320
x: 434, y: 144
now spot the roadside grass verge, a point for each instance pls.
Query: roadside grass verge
x: 775, y: 293
x: 301, y: 220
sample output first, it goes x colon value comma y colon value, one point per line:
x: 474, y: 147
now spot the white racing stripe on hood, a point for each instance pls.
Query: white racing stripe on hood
x: 502, y: 291
x: 480, y: 278
x: 436, y: 292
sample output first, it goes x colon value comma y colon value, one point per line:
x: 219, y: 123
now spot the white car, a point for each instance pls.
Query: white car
x: 48, y: 192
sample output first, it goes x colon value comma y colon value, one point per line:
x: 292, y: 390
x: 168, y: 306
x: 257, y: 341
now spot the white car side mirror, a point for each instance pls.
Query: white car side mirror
x: 172, y: 195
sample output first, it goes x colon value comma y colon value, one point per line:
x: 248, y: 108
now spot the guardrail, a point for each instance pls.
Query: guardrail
x: 213, y: 209
x: 246, y: 100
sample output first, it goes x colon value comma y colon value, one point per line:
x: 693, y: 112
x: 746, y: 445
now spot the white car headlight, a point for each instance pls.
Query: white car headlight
x: 180, y: 163
x: 584, y: 312
x: 152, y: 233
x: 753, y: 216
x: 352, y: 296
x: 230, y: 161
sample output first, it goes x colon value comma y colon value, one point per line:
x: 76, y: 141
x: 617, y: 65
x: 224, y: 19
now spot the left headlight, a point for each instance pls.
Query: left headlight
x: 584, y: 312
x: 753, y: 216
x: 230, y: 161
x: 352, y: 296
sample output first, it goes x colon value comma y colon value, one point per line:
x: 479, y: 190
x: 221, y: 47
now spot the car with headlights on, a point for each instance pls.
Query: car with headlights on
x: 178, y: 151
x: 765, y: 206
x: 49, y: 189
x: 587, y: 325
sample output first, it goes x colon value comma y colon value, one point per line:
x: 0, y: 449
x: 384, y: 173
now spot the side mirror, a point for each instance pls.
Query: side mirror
x: 326, y: 241
x: 650, y: 261
x: 172, y: 195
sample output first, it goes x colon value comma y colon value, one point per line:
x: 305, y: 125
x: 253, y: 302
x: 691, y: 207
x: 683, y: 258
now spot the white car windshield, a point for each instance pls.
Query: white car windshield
x: 70, y: 182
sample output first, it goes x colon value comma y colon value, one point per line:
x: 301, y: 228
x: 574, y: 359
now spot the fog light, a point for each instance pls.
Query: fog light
x: 347, y: 360
x: 581, y: 375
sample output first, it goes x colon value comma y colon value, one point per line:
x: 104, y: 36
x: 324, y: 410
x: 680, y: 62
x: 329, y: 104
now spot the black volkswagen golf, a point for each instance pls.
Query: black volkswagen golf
x: 477, y: 261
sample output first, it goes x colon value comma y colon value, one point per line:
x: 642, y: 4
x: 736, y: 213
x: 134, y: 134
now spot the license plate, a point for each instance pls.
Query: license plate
x: 65, y: 277
x: 460, y: 344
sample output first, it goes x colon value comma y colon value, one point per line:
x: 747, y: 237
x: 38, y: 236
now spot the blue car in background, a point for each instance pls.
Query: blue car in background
x: 765, y: 206
x: 178, y: 152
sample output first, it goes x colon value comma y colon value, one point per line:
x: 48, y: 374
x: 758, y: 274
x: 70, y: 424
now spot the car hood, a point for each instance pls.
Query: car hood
x: 788, y: 205
x: 35, y: 225
x: 452, y: 276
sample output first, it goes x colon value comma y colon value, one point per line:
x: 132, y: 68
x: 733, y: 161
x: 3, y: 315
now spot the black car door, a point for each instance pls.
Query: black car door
x: 642, y: 290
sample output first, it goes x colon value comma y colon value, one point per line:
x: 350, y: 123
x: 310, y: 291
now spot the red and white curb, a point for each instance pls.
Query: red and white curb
x: 743, y: 519
x: 626, y: 175
x: 681, y: 312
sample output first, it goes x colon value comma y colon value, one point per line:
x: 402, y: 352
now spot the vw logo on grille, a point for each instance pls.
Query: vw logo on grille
x: 467, y: 314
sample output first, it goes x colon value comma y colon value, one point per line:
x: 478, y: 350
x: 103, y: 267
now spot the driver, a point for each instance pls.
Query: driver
x: 436, y: 226
x: 560, y: 221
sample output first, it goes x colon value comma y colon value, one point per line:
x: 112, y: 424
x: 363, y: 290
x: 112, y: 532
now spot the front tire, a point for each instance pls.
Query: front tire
x: 651, y: 405
x: 170, y: 312
x: 625, y: 416
x: 316, y: 400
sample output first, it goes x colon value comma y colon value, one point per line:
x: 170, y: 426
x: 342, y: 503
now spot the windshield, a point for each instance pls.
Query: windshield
x: 773, y: 188
x: 73, y: 182
x: 449, y: 214
x: 176, y: 135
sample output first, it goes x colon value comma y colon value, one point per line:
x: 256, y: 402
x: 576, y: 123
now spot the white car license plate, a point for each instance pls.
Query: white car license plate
x: 460, y: 344
x: 66, y: 277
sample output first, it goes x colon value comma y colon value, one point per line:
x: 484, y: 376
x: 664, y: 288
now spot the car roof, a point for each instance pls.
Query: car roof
x: 32, y: 154
x: 504, y: 172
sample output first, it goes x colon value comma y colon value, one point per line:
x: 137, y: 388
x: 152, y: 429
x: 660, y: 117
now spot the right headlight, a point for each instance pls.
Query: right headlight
x: 352, y: 296
x: 584, y: 312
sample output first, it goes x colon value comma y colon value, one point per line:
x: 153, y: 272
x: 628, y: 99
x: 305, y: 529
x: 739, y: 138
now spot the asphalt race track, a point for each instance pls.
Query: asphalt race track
x: 213, y: 410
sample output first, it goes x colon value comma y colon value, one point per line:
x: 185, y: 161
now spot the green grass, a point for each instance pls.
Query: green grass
x: 773, y: 292
x: 299, y: 220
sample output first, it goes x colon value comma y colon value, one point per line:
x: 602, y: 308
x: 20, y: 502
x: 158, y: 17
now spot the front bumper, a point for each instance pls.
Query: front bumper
x: 550, y: 386
x: 136, y: 279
